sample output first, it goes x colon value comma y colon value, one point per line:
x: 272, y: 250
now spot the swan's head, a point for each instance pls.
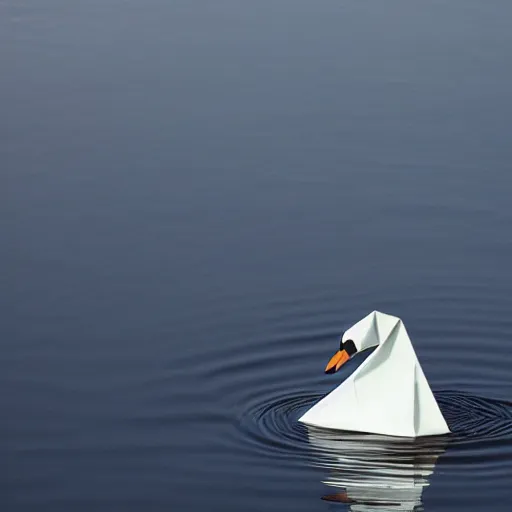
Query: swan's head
x: 347, y: 349
x: 361, y: 336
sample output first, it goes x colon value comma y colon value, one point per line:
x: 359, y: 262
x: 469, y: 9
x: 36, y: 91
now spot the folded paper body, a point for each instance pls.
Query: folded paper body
x: 388, y: 394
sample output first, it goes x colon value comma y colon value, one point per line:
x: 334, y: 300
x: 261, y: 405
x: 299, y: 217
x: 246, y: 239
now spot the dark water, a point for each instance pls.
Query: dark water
x: 198, y: 197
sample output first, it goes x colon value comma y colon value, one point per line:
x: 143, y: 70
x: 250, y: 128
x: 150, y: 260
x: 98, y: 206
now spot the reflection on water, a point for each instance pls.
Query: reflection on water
x: 373, y: 472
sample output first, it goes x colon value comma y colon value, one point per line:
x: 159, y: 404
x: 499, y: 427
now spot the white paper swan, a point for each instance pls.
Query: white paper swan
x: 388, y: 394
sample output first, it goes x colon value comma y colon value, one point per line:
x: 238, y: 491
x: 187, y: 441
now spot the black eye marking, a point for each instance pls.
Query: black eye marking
x: 350, y: 347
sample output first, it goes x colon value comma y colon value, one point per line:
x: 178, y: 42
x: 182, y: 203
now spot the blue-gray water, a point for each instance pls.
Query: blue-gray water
x: 197, y: 197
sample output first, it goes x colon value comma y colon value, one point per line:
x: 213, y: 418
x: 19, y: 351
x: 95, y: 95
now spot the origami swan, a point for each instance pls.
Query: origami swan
x: 388, y: 394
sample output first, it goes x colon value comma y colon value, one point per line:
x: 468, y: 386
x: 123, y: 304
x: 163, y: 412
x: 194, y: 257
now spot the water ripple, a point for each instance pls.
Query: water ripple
x: 272, y: 427
x: 262, y: 386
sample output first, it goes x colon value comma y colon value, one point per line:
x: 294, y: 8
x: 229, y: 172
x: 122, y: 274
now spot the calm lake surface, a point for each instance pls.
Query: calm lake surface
x: 198, y: 197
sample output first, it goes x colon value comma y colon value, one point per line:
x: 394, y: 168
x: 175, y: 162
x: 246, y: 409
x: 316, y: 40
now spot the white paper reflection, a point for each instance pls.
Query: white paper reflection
x: 376, y: 473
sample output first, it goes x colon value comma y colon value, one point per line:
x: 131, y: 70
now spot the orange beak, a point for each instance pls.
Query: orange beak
x: 337, y: 361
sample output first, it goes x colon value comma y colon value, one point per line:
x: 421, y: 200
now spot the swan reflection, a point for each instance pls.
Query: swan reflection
x: 373, y: 472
